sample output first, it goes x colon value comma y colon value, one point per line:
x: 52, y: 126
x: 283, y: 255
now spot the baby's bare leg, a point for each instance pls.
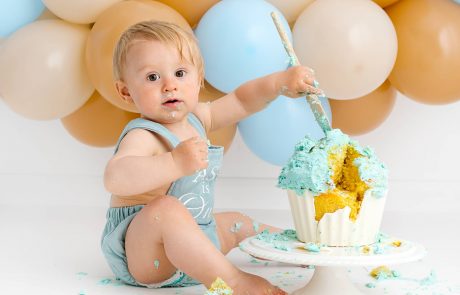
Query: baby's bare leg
x: 164, y: 237
x: 234, y: 227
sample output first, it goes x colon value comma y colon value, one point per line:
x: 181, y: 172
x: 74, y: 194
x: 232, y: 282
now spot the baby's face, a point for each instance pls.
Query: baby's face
x: 163, y: 86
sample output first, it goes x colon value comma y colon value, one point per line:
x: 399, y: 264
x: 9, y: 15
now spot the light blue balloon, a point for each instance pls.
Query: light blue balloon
x: 17, y: 13
x: 457, y: 1
x: 272, y: 133
x: 239, y: 42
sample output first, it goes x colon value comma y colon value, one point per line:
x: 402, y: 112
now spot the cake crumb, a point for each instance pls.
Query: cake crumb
x: 219, y: 287
x: 396, y: 243
x: 255, y: 225
x: 370, y: 285
x: 383, y: 273
x: 236, y: 227
x: 429, y: 280
x: 312, y: 247
x: 366, y: 249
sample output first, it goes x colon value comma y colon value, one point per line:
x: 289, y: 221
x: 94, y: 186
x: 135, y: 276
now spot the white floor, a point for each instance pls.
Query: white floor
x: 46, y: 250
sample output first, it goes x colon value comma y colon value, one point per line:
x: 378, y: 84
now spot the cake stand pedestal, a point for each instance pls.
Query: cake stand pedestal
x: 330, y: 276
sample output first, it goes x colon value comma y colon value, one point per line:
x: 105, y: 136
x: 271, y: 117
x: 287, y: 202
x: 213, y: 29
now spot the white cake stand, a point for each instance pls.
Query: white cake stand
x: 330, y: 276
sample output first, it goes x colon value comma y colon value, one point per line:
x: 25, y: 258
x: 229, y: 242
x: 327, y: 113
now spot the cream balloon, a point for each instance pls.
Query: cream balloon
x: 79, y: 11
x: 42, y: 69
x: 291, y: 9
x: 351, y: 45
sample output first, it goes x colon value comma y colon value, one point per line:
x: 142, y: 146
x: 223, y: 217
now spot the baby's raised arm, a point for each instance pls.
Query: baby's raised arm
x: 254, y: 95
x: 140, y: 165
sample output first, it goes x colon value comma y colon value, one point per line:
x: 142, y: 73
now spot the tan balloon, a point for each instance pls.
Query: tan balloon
x: 224, y: 136
x: 104, y: 36
x: 291, y: 9
x: 98, y: 122
x: 385, y: 3
x: 192, y: 11
x: 364, y: 114
x: 428, y: 65
x: 79, y: 11
x: 351, y: 45
x: 47, y: 14
x: 42, y: 70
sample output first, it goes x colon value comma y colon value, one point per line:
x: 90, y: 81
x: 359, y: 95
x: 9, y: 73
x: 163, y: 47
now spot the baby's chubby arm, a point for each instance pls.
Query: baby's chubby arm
x: 140, y: 165
x: 254, y: 95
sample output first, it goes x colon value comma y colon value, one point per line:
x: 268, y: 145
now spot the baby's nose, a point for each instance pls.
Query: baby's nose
x: 169, y: 85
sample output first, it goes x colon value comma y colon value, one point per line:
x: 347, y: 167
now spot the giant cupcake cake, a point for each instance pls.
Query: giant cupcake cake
x: 337, y: 190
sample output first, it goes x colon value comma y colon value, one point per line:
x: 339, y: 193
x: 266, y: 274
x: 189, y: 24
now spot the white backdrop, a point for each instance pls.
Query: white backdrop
x: 40, y: 163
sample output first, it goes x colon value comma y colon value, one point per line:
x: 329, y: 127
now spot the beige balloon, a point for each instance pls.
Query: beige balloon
x: 361, y: 115
x: 79, y: 11
x: 42, y: 70
x: 47, y: 14
x: 291, y: 9
x: 192, y: 11
x: 351, y: 45
x: 428, y: 65
x: 98, y: 122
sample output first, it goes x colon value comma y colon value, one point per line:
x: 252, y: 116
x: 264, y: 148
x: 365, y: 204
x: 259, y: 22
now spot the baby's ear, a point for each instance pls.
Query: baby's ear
x: 123, y: 91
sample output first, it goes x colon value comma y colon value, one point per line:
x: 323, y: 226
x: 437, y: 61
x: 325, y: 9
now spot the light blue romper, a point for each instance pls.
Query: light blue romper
x: 195, y: 191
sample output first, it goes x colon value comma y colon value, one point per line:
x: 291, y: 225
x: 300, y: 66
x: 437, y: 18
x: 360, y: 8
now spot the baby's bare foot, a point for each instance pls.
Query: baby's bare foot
x: 249, y: 284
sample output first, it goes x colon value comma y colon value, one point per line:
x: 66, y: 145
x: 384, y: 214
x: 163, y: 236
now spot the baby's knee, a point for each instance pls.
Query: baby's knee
x: 240, y: 217
x: 165, y: 205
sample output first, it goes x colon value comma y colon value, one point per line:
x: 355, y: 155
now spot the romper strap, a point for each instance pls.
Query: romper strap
x: 196, y: 123
x: 151, y: 126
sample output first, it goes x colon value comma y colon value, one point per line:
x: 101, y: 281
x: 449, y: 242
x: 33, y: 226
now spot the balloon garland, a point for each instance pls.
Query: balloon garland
x: 363, y: 52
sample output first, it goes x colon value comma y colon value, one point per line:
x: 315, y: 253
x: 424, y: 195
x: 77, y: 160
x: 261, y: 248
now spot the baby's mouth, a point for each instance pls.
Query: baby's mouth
x: 173, y: 103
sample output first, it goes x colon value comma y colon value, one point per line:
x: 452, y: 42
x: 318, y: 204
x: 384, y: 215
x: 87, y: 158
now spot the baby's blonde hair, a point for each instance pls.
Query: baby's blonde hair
x: 169, y: 33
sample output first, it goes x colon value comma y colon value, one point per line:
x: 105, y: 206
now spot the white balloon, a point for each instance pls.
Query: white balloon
x: 42, y: 69
x: 351, y: 45
x: 290, y: 8
x: 79, y: 11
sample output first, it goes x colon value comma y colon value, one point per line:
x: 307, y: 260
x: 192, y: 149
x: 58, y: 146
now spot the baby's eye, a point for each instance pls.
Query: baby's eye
x: 180, y: 73
x: 153, y: 77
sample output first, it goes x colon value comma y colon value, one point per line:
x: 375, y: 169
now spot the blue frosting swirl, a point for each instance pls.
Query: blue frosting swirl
x: 309, y: 167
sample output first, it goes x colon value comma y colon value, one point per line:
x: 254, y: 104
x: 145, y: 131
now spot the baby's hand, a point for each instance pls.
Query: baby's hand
x: 298, y: 81
x: 191, y: 155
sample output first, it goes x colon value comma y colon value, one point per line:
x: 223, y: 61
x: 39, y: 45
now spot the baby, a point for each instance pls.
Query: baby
x: 161, y: 230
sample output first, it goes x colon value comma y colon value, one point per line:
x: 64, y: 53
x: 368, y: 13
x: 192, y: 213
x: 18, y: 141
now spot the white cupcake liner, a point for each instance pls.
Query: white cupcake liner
x: 336, y: 229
